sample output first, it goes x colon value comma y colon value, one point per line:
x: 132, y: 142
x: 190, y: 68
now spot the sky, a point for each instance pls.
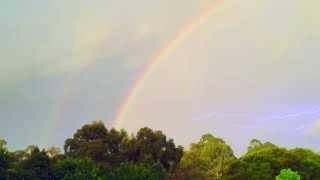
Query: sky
x: 247, y: 70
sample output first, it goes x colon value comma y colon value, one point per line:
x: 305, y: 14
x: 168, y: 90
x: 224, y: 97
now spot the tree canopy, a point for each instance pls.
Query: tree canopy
x: 207, y: 159
x: 96, y: 152
x: 288, y: 174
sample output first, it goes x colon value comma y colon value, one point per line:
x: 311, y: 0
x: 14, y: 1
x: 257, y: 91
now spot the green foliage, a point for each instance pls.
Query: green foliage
x: 288, y: 174
x: 237, y: 171
x: 3, y: 143
x: 152, y: 147
x: 265, y: 160
x: 96, y: 142
x: 210, y: 158
x: 76, y: 169
x: 111, y: 148
x: 37, y: 166
x: 140, y: 172
x: 94, y: 152
x: 53, y: 152
x: 88, y: 142
x: 307, y: 163
x: 4, y: 162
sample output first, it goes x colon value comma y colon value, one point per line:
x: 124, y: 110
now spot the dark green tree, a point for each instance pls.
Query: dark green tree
x: 37, y: 166
x: 140, y: 172
x: 96, y: 142
x: 77, y: 169
x: 307, y: 163
x: 4, y: 161
x: 151, y: 147
x: 237, y: 171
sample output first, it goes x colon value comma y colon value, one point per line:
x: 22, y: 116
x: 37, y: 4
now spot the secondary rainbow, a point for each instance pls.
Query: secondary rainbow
x: 161, y: 54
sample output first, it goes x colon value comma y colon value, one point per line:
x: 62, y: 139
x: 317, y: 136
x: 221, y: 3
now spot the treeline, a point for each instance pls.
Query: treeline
x: 95, y: 152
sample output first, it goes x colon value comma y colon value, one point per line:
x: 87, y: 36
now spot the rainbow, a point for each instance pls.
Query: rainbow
x: 160, y: 55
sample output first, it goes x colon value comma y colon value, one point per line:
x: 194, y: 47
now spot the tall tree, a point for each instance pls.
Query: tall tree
x: 96, y: 142
x: 208, y: 159
x: 152, y: 147
x: 37, y: 166
x: 266, y: 160
x: 4, y: 161
x: 307, y: 163
x: 263, y: 161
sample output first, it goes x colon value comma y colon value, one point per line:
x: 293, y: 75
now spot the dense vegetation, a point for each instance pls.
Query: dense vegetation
x: 95, y: 152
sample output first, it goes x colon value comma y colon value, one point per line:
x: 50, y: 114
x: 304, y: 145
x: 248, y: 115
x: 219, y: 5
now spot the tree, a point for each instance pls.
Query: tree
x: 3, y: 143
x: 53, y: 151
x: 4, y: 162
x: 151, y: 147
x: 89, y: 135
x: 94, y: 152
x: 307, y: 163
x: 254, y: 144
x: 288, y: 174
x: 37, y: 166
x: 113, y: 147
x: 140, y: 172
x: 76, y: 169
x: 210, y: 158
x: 117, y: 146
x: 266, y: 160
x: 262, y: 161
x: 19, y: 155
x: 237, y: 171
x: 96, y: 142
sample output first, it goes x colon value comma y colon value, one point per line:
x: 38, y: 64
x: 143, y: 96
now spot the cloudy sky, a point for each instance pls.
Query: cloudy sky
x: 249, y: 70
